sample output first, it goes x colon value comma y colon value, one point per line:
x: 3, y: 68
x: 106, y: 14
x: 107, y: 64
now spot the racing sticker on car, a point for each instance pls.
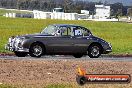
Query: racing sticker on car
x: 78, y: 32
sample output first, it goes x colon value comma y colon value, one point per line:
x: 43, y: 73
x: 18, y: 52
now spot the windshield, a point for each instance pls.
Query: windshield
x: 49, y: 30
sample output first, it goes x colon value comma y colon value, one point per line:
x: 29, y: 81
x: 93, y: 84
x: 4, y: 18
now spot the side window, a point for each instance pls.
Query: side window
x: 73, y: 31
x: 79, y: 31
x: 56, y: 32
x: 69, y: 31
x: 65, y: 31
x: 85, y: 32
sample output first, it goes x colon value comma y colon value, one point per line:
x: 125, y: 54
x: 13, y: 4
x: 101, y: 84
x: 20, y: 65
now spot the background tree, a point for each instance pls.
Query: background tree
x: 67, y: 5
x: 117, y: 9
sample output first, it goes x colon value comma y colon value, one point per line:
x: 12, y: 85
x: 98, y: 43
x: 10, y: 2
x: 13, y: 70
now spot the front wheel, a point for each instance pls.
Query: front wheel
x: 36, y: 50
x: 20, y: 54
x: 94, y: 51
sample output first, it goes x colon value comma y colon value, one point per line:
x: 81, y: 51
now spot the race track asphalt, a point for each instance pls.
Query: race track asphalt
x: 68, y: 57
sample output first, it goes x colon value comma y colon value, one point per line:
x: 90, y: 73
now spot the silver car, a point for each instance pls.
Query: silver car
x: 59, y: 39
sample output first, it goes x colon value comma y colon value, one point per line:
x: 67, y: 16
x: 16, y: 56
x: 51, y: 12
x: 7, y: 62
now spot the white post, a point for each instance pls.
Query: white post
x: 13, y: 15
x: 7, y: 15
x: 63, y: 16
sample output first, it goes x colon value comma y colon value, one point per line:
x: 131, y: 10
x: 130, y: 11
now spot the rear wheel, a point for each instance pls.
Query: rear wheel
x: 78, y: 55
x: 94, y: 51
x: 20, y: 54
x: 36, y: 50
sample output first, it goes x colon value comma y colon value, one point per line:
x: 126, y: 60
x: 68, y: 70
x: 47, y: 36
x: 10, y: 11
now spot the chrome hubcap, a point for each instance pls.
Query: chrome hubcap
x: 95, y: 51
x: 37, y: 50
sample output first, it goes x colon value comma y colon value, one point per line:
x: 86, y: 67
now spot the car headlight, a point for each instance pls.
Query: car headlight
x: 21, y: 39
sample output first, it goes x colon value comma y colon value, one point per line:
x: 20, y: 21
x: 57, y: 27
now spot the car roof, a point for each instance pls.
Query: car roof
x: 66, y: 25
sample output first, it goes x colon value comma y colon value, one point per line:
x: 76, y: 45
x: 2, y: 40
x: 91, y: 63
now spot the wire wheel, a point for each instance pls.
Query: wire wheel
x: 94, y: 51
x: 36, y: 50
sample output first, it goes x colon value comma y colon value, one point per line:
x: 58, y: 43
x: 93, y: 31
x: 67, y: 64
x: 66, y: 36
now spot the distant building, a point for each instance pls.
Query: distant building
x: 84, y: 12
x: 129, y: 11
x: 58, y: 10
x: 102, y: 12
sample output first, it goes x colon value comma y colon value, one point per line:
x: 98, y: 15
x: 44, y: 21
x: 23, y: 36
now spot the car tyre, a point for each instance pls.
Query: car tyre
x: 77, y: 55
x: 20, y: 54
x: 94, y: 51
x: 36, y: 50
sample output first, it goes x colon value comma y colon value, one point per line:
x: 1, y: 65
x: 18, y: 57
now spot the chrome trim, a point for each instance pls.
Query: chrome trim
x: 23, y: 50
x: 7, y: 47
x: 13, y: 45
x: 109, y: 50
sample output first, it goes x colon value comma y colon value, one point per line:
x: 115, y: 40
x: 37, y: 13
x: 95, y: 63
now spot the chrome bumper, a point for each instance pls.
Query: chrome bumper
x: 108, y: 50
x: 14, y: 44
x: 10, y: 48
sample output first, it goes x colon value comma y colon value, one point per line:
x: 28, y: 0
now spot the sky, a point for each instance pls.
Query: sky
x: 125, y: 2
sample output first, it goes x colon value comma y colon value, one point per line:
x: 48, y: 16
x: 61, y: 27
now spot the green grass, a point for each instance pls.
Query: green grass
x: 117, y: 33
x: 2, y: 12
x: 69, y: 86
x: 89, y: 86
x: 72, y: 85
x: 6, y: 86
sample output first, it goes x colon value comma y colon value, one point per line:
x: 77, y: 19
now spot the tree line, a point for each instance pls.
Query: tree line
x: 117, y: 9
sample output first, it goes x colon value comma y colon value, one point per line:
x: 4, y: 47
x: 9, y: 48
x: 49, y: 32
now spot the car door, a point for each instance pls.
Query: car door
x: 62, y: 43
x: 80, y: 39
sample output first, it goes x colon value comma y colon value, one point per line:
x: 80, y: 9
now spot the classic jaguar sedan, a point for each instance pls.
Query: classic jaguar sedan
x: 59, y: 39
